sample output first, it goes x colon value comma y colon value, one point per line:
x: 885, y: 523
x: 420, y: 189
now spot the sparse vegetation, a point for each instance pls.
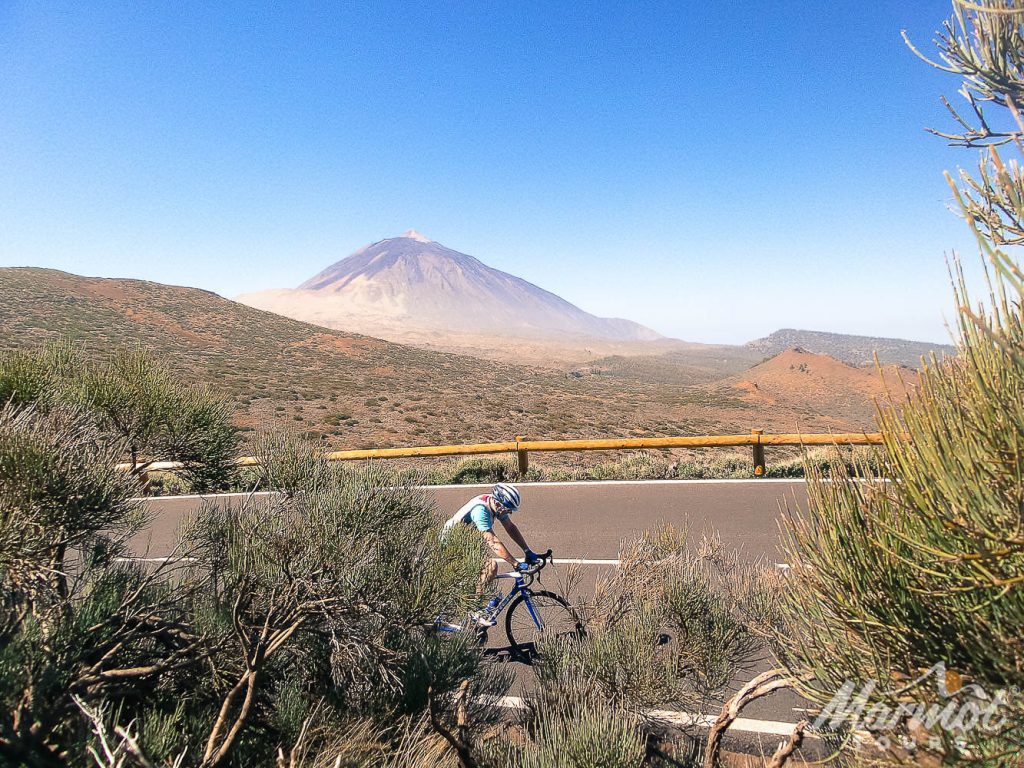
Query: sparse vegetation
x: 296, y: 629
x: 265, y: 365
x: 709, y: 464
x: 855, y: 350
x: 639, y: 465
x: 134, y: 402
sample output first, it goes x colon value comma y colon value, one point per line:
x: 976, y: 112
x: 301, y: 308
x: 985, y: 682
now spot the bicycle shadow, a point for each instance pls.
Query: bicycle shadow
x: 523, y: 654
x: 527, y: 652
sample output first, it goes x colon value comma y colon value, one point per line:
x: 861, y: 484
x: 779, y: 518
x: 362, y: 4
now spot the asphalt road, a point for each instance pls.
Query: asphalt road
x: 586, y: 522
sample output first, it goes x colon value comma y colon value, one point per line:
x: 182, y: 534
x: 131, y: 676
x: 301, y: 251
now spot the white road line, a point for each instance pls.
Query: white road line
x: 584, y: 561
x: 571, y: 483
x: 570, y: 561
x: 186, y: 497
x: 746, y: 724
x: 588, y: 561
x: 559, y: 484
x: 709, y: 481
x: 558, y: 561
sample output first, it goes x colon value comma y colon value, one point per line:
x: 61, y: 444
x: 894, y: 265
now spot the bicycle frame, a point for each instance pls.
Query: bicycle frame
x: 519, y: 587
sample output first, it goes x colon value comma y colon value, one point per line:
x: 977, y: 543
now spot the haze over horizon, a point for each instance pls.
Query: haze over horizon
x: 614, y: 158
x: 400, y: 286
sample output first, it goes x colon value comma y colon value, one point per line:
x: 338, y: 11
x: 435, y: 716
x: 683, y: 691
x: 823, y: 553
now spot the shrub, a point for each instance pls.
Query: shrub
x: 292, y: 617
x: 470, y: 471
x: 640, y: 465
x: 672, y: 626
x: 75, y: 620
x: 922, y: 565
x: 133, y: 399
x: 575, y: 735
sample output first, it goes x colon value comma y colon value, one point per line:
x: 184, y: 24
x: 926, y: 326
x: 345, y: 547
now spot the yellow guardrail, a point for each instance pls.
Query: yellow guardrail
x: 757, y: 440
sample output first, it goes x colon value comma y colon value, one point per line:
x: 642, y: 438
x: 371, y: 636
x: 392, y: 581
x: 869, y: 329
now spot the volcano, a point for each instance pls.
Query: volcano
x: 411, y: 286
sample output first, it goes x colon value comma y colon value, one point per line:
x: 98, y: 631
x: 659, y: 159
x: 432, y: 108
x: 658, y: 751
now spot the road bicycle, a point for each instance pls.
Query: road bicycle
x: 532, y: 614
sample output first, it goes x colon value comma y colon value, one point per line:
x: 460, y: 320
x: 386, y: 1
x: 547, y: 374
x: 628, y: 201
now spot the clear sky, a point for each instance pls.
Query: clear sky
x: 716, y: 170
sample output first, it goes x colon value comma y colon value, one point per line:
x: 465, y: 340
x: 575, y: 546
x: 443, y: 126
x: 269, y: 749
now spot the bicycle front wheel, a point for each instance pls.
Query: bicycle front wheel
x: 537, y: 616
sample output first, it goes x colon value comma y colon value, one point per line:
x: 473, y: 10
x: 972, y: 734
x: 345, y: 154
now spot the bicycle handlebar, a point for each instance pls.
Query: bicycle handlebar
x: 541, y: 561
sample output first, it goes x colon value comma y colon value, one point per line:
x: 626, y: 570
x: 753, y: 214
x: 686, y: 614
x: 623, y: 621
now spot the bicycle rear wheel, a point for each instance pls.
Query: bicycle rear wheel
x: 551, y: 617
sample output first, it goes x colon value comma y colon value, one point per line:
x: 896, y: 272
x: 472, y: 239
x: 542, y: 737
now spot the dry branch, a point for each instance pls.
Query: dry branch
x: 792, y: 744
x: 762, y: 685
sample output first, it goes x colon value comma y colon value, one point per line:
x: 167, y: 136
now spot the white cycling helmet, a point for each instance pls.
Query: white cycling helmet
x: 507, y: 496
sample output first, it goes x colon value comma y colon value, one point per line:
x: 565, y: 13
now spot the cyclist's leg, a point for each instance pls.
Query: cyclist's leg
x: 485, y: 588
x: 487, y: 574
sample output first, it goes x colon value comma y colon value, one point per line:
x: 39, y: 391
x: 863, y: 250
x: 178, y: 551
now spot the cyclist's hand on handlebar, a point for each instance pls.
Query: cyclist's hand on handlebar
x: 531, y: 556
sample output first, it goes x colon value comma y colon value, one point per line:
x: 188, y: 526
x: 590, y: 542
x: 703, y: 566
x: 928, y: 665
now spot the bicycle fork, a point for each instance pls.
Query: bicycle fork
x: 529, y: 606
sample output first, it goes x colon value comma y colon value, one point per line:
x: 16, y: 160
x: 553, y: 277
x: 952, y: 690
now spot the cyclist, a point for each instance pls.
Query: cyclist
x: 480, y: 511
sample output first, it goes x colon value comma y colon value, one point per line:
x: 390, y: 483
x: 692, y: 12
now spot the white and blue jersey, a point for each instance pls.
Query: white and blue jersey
x: 474, y: 512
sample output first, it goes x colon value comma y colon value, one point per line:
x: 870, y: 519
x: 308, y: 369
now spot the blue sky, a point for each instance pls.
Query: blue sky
x: 714, y: 170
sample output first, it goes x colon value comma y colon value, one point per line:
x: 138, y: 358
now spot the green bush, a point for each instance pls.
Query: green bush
x: 471, y: 471
x: 135, y: 400
x: 922, y: 564
x: 672, y: 626
x: 577, y: 735
x: 290, y: 618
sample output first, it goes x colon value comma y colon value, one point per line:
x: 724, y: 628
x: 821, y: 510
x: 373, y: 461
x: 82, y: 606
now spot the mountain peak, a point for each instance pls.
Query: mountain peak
x: 413, y: 284
x: 412, y: 234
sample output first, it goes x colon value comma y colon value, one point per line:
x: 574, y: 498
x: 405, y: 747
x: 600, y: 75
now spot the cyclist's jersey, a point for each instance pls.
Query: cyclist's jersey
x: 474, y: 512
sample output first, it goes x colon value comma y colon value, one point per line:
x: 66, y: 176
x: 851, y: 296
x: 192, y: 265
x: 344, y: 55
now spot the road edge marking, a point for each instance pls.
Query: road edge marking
x: 676, y: 717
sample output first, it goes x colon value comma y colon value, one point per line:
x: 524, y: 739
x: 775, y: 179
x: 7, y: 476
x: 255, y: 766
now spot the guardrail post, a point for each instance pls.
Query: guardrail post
x: 758, y: 452
x: 524, y: 461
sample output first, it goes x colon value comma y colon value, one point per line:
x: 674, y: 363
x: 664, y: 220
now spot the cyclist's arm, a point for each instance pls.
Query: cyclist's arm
x: 513, y: 530
x: 499, y: 549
